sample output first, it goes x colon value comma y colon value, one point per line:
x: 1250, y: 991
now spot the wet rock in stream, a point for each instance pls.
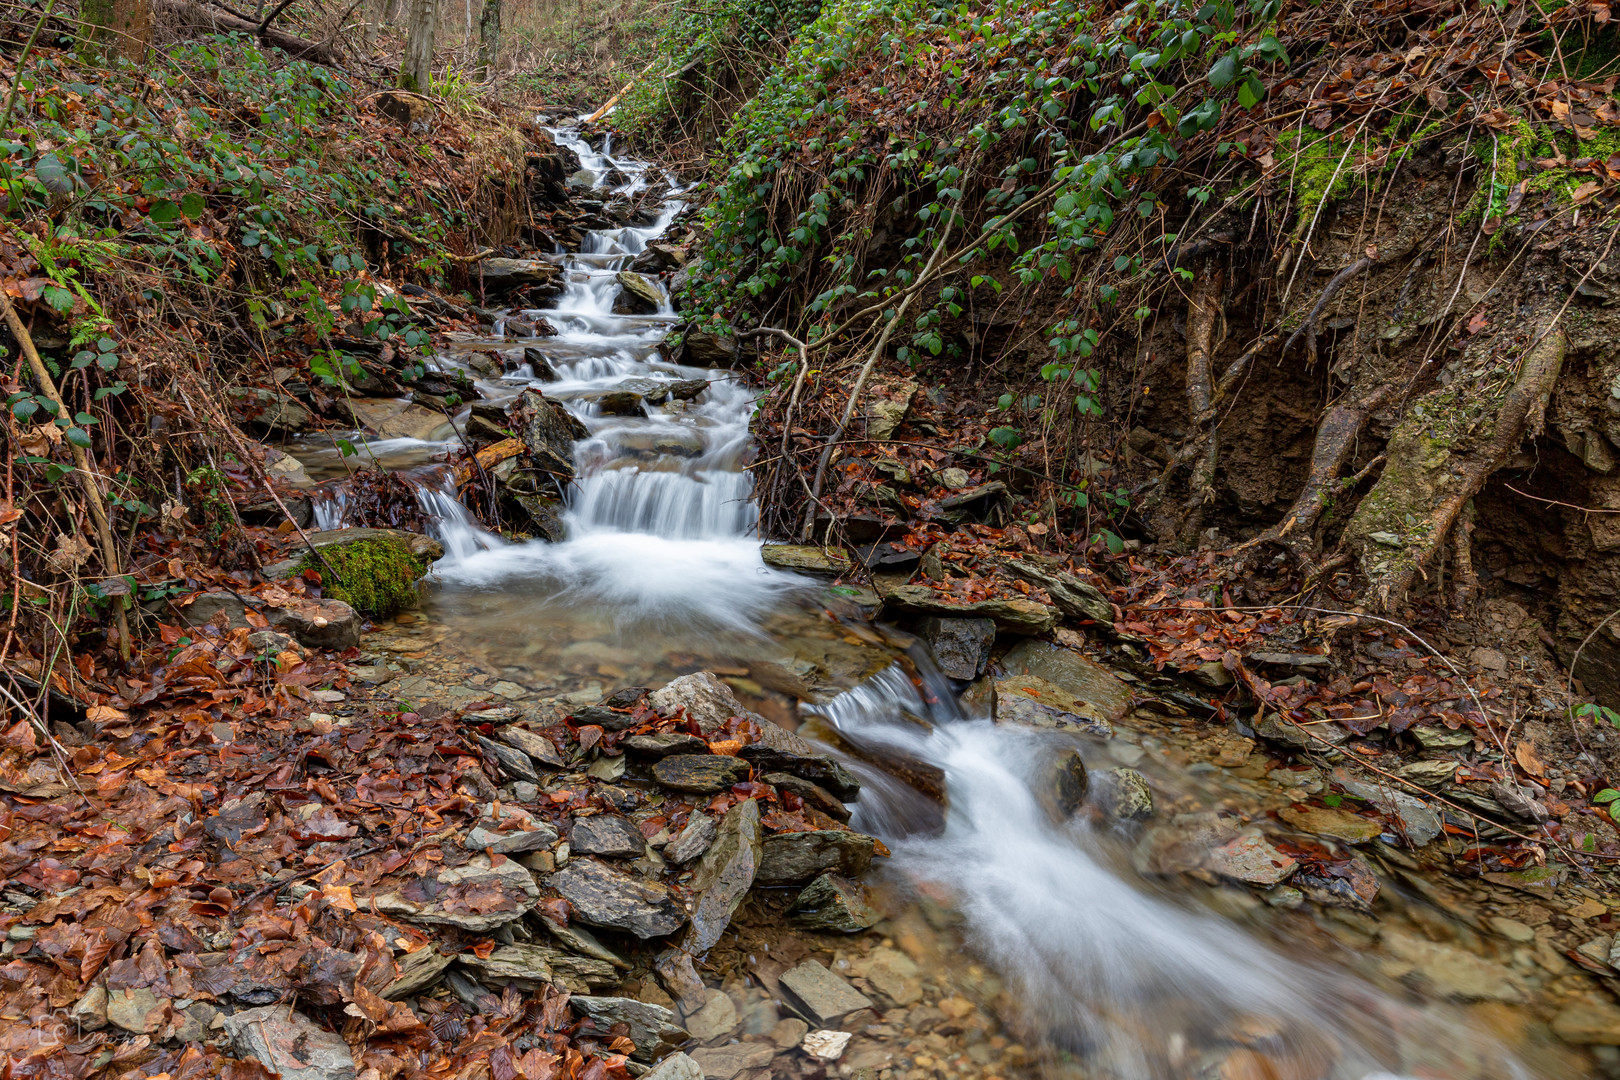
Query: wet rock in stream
x: 819, y: 995
x: 836, y: 903
x: 961, y: 647
x: 653, y: 1029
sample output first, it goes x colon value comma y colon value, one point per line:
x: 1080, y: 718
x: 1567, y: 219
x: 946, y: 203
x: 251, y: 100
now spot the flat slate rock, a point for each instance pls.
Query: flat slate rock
x: 477, y: 896
x: 807, y: 558
x: 693, y: 840
x: 676, y: 1066
x: 653, y: 1028
x: 664, y: 744
x: 531, y: 967
x: 700, y: 774
x: 603, y: 896
x: 820, y: 995
x: 513, y: 833
x: 514, y: 762
x: 1016, y: 616
x: 1253, y: 861
x: 1105, y: 695
x: 814, y: 794
x: 608, y: 835
x: 779, y: 750
x: 792, y: 858
x: 725, y: 1062
x: 537, y: 748
x: 1030, y: 701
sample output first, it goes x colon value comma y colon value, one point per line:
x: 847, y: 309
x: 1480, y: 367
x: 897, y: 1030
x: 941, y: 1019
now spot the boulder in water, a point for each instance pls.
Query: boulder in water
x: 680, y: 442
x: 548, y: 431
x: 1067, y: 785
x: 1030, y: 701
x: 702, y: 349
x: 1122, y: 794
x: 1102, y: 693
x: 637, y: 295
x: 504, y: 275
x: 539, y: 363
x: 687, y: 389
x: 621, y: 403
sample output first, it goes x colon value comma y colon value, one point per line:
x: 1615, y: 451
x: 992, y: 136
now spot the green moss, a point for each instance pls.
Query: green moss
x: 376, y: 577
x: 1317, y: 175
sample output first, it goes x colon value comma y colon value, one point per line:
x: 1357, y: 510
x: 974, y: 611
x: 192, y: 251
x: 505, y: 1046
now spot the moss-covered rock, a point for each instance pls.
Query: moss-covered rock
x: 376, y: 576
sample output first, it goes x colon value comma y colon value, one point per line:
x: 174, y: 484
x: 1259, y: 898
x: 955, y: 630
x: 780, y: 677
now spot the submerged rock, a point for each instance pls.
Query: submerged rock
x: 835, y: 903
x: 716, y: 1018
x: 724, y: 876
x: 603, y: 896
x: 791, y: 858
x: 1067, y: 784
x: 1122, y: 794
x: 725, y: 1062
x: 1030, y: 701
x: 652, y: 1028
x: 960, y: 646
x: 820, y: 995
x: 676, y: 1066
x: 1252, y: 860
x: 699, y: 773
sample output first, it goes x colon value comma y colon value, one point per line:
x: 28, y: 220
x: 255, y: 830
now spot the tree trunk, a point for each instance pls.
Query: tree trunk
x: 116, y: 28
x: 416, y: 71
x: 186, y: 15
x: 489, y: 38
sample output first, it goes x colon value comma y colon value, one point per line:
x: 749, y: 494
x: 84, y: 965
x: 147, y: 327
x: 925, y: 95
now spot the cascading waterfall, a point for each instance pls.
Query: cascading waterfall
x: 661, y: 544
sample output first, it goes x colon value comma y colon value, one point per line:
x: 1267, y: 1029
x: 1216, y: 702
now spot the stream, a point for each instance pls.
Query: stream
x: 1113, y: 972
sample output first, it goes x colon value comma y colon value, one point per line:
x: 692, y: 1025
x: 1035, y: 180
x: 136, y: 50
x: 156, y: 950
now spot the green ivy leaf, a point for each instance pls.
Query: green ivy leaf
x: 1224, y: 71
x: 1607, y: 795
x: 52, y: 172
x: 192, y: 205
x: 78, y: 437
x: 164, y: 212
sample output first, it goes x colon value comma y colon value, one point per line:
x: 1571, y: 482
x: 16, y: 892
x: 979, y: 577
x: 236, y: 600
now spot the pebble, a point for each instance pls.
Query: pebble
x: 1512, y: 929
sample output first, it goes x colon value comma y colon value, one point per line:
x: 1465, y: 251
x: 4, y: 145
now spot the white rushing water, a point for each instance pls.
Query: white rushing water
x: 661, y: 536
x: 1132, y: 982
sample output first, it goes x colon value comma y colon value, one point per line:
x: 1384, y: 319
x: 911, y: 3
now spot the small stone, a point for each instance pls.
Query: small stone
x: 1517, y: 800
x: 676, y: 1066
x: 693, y: 840
x: 513, y: 762
x: 1329, y: 821
x: 1387, y: 539
x: 478, y: 896
x: 1436, y: 737
x: 608, y: 835
x: 825, y: 1045
x: 678, y: 975
x: 1417, y: 820
x: 537, y: 748
x: 835, y: 903
x: 525, y: 792
x: 1588, y: 1023
x: 725, y: 1062
x: 1512, y: 929
x: 1252, y: 860
x: 894, y: 975
x: 1452, y: 971
x: 820, y: 995
x: 704, y: 697
x: 716, y: 1019
x: 1429, y: 774
x: 515, y: 831
x: 814, y: 794
x: 90, y: 1011
x: 1123, y: 794
x: 290, y: 1043
x: 699, y: 773
x: 417, y: 972
x: 788, y: 1032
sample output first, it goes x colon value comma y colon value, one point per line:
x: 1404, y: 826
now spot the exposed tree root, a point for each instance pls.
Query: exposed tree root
x: 1204, y: 315
x: 1434, y: 468
x: 1335, y: 439
x: 1307, y: 329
